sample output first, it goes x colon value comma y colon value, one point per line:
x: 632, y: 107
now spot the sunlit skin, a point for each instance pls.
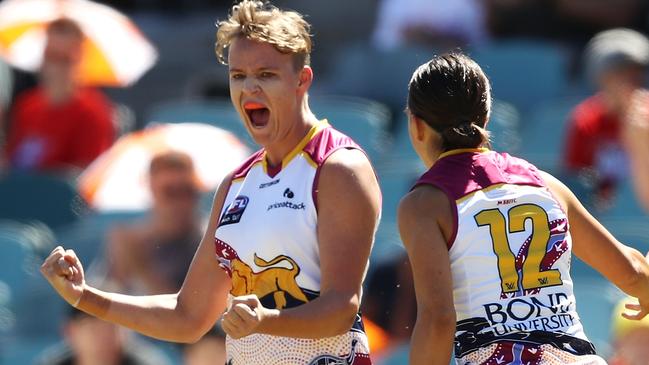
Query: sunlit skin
x: 261, y: 76
x: 426, y: 221
x: 348, y: 210
x: 426, y: 142
x: 61, y: 59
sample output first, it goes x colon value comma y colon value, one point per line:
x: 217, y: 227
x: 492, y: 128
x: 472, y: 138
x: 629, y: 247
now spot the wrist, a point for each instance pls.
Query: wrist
x: 93, y: 302
x: 268, y: 318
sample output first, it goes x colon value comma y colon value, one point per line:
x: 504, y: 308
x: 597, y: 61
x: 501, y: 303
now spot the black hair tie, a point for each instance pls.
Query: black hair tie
x: 465, y: 128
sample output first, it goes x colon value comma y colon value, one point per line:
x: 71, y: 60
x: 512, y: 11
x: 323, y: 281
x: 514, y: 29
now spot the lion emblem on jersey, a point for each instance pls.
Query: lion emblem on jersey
x: 273, y: 280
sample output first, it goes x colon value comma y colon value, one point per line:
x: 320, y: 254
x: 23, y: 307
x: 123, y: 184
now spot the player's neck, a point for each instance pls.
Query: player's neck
x: 302, y: 124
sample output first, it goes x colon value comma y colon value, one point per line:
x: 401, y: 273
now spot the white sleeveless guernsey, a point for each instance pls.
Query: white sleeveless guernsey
x: 267, y: 242
x: 510, y: 262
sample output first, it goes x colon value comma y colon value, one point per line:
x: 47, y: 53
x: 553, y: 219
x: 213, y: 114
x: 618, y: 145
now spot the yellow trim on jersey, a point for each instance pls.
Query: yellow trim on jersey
x: 317, y: 127
x: 469, y: 195
x: 462, y: 150
x: 310, y: 161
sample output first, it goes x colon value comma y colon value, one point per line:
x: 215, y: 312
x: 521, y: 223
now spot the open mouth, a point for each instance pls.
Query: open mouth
x: 258, y: 114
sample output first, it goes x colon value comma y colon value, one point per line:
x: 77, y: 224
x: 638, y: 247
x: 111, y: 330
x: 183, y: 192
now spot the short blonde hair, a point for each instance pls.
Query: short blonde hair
x: 287, y: 31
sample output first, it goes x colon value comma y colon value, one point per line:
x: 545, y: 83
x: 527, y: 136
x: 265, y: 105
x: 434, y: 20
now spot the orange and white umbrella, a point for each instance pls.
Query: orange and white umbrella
x: 115, y: 52
x: 118, y: 179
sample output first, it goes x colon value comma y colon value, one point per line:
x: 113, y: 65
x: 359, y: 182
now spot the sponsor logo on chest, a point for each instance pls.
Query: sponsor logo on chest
x: 289, y: 204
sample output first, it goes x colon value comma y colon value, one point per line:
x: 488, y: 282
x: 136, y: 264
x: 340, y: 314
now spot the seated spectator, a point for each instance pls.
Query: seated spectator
x: 91, y: 341
x: 209, y: 350
x: 630, y: 338
x: 59, y: 125
x: 443, y: 24
x: 151, y: 256
x: 617, y: 61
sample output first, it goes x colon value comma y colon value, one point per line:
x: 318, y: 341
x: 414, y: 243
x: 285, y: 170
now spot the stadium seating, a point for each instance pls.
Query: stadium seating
x: 45, y: 198
x: 366, y: 121
x: 524, y: 72
x: 23, y: 315
x: 596, y: 298
x: 360, y: 69
x: 543, y: 132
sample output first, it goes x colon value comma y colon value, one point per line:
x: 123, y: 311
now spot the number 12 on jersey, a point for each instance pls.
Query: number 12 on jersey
x: 531, y: 275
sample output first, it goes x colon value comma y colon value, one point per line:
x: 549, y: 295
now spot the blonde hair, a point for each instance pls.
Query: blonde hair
x: 287, y: 31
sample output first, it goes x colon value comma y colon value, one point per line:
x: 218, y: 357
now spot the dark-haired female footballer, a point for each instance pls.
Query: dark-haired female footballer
x: 490, y: 237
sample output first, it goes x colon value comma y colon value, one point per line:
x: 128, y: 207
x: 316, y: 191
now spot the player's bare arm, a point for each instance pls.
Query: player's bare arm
x: 348, y: 201
x: 181, y: 317
x: 425, y: 224
x: 624, y: 266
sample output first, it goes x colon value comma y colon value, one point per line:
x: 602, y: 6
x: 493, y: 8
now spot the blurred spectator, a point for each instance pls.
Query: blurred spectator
x: 441, y: 23
x: 635, y: 137
x: 630, y: 338
x: 209, y: 350
x: 59, y: 125
x: 152, y: 256
x: 616, y: 61
x: 91, y: 341
x: 6, y: 87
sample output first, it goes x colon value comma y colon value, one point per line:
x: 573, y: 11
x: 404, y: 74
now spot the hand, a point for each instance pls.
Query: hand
x: 640, y: 310
x: 64, y: 272
x: 244, y: 316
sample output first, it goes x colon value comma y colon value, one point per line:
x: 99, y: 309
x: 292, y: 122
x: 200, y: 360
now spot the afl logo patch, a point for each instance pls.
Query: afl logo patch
x: 235, y: 211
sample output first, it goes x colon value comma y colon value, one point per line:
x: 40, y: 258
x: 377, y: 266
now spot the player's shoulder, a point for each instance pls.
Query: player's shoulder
x: 427, y: 199
x: 326, y: 142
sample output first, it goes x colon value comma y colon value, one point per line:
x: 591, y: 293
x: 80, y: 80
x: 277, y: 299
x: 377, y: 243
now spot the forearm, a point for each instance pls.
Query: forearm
x: 431, y: 344
x: 325, y: 316
x: 636, y: 282
x: 158, y: 316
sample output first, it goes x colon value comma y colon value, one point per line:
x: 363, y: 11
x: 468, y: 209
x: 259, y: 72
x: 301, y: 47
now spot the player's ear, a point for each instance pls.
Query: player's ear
x: 305, y: 78
x: 417, y: 127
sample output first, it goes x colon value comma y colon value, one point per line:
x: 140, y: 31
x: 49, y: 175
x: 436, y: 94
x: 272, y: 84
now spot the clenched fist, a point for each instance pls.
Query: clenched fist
x: 64, y: 272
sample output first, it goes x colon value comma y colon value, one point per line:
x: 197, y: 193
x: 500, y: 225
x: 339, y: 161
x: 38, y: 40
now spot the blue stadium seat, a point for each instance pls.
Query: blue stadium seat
x: 88, y: 236
x: 365, y: 121
x: 543, y: 132
x: 596, y: 300
x: 360, y: 69
x: 524, y: 72
x: 504, y: 127
x: 45, y: 198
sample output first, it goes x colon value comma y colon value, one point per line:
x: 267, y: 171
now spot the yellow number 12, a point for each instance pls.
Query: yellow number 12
x: 531, y: 275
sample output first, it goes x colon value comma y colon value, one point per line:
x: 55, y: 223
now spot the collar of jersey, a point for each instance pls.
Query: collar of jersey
x: 462, y: 150
x: 317, y: 127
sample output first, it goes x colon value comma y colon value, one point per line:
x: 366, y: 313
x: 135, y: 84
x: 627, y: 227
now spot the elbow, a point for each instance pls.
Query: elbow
x: 346, y: 313
x: 638, y: 275
x: 191, y: 334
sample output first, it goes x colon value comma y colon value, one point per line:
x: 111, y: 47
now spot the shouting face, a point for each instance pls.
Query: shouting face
x: 267, y: 89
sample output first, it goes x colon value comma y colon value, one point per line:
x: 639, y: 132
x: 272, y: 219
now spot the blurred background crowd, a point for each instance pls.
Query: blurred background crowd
x: 115, y: 133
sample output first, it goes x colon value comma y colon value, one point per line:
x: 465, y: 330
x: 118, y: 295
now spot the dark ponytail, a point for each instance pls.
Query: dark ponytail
x: 452, y: 95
